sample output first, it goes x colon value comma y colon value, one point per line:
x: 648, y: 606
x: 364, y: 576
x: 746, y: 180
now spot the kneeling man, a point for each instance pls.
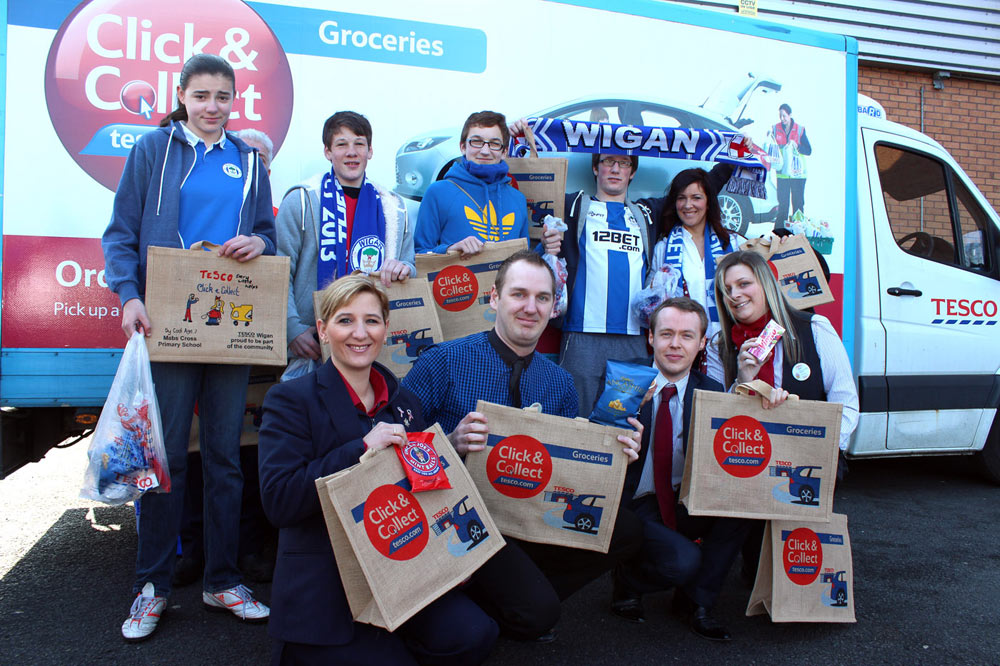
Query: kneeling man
x: 669, y: 557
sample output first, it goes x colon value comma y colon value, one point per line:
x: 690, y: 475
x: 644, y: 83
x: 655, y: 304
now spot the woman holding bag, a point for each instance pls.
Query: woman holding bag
x: 809, y: 360
x: 186, y: 181
x: 319, y: 424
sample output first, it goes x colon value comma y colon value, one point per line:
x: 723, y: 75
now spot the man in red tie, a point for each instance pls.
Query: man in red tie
x: 669, y: 557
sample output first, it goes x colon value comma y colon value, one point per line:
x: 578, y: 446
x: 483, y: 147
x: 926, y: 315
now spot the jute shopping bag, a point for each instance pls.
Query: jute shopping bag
x: 413, y: 325
x: 806, y: 573
x: 396, y: 550
x: 795, y: 266
x: 747, y: 462
x: 210, y: 309
x: 461, y: 286
x: 542, y: 180
x: 550, y: 479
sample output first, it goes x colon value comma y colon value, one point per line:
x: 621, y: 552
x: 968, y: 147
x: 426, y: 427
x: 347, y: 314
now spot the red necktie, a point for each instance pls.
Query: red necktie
x: 663, y: 458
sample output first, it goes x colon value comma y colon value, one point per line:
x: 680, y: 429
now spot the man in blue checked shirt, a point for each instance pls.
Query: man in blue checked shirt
x: 522, y: 585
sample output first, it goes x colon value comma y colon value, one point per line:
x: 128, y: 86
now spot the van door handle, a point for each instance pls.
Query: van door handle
x: 899, y: 291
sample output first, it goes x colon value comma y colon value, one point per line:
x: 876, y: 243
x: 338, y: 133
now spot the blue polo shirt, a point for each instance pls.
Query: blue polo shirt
x: 212, y: 192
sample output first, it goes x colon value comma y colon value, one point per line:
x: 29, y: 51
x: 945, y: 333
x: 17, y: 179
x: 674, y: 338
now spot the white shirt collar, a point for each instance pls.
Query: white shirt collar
x: 662, y: 381
x: 193, y: 139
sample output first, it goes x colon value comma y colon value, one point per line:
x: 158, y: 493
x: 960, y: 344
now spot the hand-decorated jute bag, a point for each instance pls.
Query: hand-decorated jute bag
x: 550, y: 479
x: 397, y: 551
x: 210, y: 309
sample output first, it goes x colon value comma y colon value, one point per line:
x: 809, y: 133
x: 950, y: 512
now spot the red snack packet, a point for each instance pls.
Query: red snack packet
x: 421, y: 462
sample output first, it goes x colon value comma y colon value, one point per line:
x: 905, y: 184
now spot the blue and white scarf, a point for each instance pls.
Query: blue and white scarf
x: 674, y: 257
x: 367, y: 251
x: 579, y: 136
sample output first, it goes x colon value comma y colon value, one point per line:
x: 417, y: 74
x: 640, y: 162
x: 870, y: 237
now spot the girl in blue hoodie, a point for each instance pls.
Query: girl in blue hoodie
x: 186, y: 181
x: 475, y: 202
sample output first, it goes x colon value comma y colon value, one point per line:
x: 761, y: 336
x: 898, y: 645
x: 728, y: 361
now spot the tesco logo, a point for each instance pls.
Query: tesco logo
x: 114, y: 67
x: 963, y: 307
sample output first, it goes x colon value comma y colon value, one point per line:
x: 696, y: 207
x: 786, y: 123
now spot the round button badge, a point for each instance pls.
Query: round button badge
x: 801, y: 371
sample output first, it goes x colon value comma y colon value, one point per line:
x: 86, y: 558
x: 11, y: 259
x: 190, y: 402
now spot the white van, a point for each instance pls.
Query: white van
x: 927, y: 328
x: 911, y: 243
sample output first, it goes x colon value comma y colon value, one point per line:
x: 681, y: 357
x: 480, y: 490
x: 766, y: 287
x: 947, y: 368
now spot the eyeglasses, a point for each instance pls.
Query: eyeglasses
x: 477, y: 143
x: 611, y: 162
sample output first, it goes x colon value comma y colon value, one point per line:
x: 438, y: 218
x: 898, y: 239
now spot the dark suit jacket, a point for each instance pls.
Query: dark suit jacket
x: 696, y: 380
x: 311, y: 429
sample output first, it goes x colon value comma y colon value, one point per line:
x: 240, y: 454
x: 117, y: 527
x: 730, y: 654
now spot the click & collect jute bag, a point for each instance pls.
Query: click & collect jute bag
x: 747, y: 462
x: 210, y: 309
x: 460, y: 287
x: 798, y: 272
x: 806, y: 573
x: 395, y: 549
x: 413, y: 325
x: 550, y: 479
x: 542, y: 180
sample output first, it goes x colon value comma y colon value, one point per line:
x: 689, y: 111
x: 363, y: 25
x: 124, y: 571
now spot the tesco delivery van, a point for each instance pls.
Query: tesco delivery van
x: 911, y: 242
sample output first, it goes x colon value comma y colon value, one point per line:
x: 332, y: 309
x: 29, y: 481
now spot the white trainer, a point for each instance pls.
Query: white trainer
x: 239, y: 601
x: 144, y: 615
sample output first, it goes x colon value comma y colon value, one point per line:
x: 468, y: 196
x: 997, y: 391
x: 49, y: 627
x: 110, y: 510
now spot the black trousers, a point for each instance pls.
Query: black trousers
x: 452, y: 631
x: 670, y: 558
x: 521, y: 586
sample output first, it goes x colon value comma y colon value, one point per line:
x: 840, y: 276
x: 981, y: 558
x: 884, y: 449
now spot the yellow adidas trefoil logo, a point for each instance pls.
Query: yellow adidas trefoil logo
x: 486, y: 225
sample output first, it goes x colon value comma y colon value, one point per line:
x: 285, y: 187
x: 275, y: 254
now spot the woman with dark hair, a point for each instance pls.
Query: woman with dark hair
x: 693, y: 239
x: 186, y: 181
x: 809, y: 360
x: 321, y: 423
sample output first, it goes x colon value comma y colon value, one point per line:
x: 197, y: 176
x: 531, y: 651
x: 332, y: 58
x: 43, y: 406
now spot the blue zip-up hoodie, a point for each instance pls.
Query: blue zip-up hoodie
x: 147, y: 205
x: 463, y: 205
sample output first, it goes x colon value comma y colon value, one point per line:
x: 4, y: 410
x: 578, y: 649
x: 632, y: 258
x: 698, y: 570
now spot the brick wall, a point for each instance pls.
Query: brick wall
x: 964, y: 117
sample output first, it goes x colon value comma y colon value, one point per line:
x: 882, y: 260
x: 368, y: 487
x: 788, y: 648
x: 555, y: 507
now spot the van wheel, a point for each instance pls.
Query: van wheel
x: 989, y: 457
x: 736, y: 212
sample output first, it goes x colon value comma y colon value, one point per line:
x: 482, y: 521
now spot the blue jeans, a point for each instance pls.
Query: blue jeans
x: 220, y: 392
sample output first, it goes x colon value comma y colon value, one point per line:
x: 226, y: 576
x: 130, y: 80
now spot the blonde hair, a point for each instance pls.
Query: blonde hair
x: 341, y: 292
x: 781, y: 312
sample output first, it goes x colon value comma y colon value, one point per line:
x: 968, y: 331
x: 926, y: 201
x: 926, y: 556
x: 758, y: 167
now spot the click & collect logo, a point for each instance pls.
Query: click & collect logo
x: 114, y: 66
x: 742, y: 446
x: 395, y: 523
x: 519, y: 466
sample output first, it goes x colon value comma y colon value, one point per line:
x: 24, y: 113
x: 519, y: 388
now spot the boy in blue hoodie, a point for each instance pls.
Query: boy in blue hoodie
x: 475, y: 203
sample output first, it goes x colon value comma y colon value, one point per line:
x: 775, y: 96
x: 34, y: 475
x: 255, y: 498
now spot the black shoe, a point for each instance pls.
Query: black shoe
x: 706, y: 626
x: 548, y: 637
x: 626, y: 603
x: 629, y: 608
x: 187, y: 570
